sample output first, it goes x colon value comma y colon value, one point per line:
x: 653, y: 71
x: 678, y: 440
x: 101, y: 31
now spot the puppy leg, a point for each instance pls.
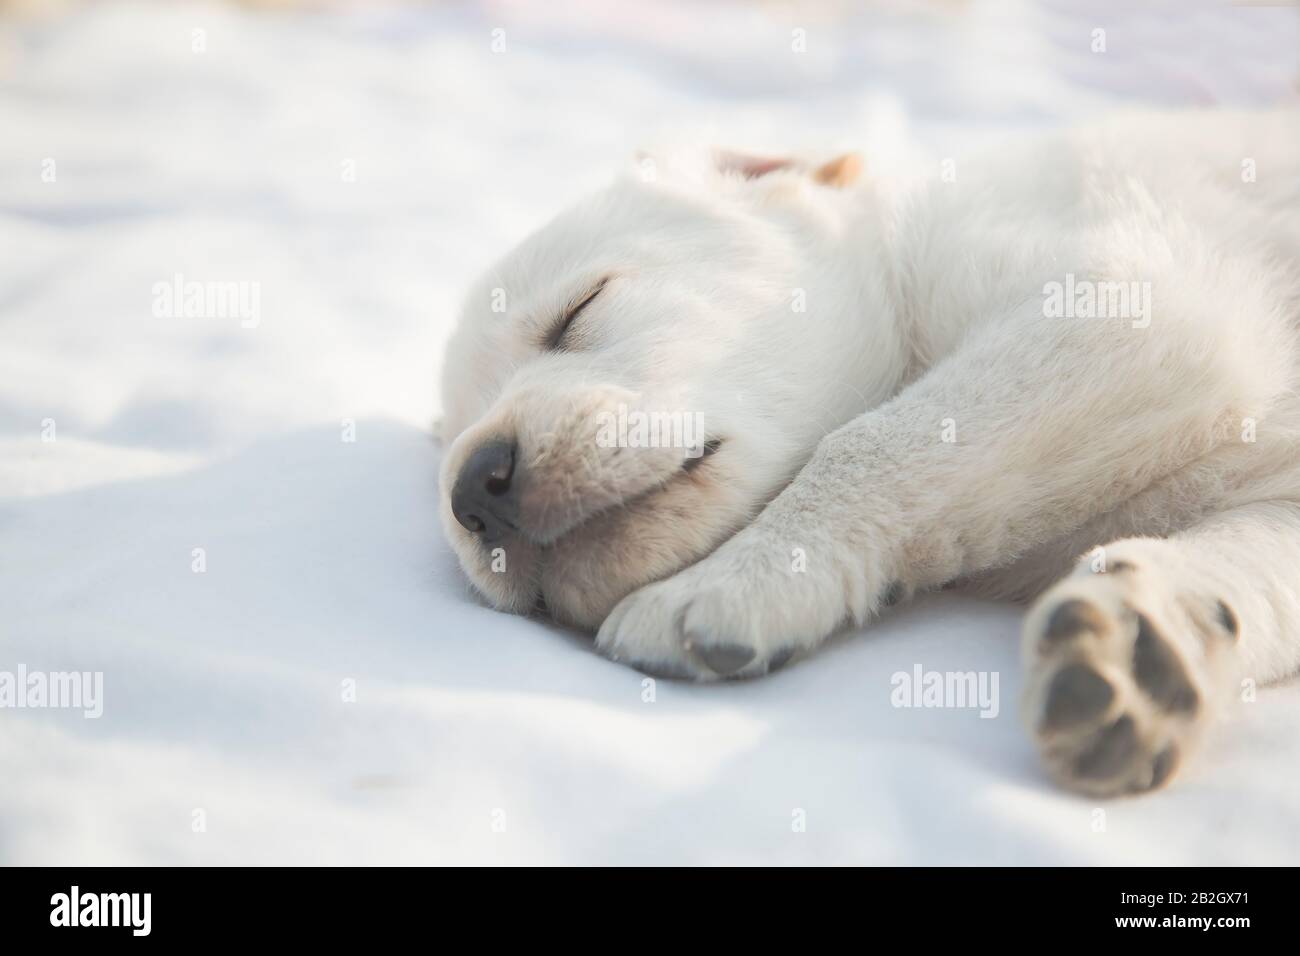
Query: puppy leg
x: 1030, y: 429
x: 1128, y: 666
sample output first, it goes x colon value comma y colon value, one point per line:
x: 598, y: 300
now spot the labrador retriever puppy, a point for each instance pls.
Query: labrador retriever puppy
x: 722, y: 409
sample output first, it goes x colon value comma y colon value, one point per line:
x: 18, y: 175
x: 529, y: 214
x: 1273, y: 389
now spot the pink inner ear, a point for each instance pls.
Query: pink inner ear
x: 751, y: 167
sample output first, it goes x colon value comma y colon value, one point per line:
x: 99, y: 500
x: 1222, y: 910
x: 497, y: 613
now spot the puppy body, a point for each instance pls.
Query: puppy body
x: 1083, y: 345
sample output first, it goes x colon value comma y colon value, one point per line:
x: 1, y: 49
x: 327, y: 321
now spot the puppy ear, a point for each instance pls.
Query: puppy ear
x: 838, y: 173
x: 750, y: 167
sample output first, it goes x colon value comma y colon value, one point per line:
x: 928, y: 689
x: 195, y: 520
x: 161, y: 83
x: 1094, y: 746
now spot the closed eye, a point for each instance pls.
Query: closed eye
x: 555, y: 338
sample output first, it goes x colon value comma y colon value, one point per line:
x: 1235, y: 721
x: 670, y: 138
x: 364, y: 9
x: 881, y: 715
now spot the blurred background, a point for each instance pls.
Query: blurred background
x: 363, y: 160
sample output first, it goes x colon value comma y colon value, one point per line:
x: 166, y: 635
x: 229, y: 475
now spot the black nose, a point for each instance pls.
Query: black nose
x: 481, y: 499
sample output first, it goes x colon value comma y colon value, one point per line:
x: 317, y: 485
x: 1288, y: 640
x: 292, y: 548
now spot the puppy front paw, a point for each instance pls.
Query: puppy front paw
x: 744, y: 611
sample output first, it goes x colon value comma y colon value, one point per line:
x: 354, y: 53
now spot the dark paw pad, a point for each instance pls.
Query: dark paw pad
x: 1166, y: 763
x: 723, y: 659
x: 1228, y: 619
x: 1110, y: 752
x: 663, y: 671
x: 1159, y: 672
x: 1074, y: 617
x: 780, y: 659
x: 1077, y: 694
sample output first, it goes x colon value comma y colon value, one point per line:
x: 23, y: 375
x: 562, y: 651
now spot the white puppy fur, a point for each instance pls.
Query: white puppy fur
x: 894, y: 402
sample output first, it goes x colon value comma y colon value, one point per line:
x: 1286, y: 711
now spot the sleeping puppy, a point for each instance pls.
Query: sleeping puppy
x: 720, y: 410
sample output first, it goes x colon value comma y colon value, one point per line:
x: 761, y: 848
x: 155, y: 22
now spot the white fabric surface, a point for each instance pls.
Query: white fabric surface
x: 222, y: 690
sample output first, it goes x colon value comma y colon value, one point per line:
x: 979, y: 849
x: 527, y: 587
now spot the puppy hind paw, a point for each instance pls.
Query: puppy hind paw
x: 1121, y: 679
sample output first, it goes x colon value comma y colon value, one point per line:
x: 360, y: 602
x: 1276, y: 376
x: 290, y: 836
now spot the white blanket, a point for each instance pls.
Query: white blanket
x: 293, y: 669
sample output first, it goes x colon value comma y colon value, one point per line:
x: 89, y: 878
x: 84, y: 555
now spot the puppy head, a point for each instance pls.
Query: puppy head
x: 636, y: 380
